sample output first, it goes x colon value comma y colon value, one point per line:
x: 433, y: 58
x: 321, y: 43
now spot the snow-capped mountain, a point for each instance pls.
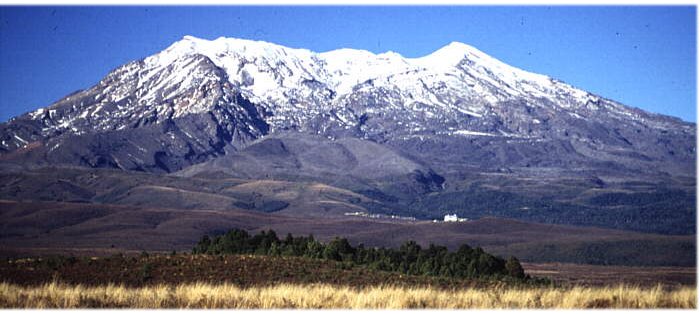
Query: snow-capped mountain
x: 199, y: 99
x: 456, y: 131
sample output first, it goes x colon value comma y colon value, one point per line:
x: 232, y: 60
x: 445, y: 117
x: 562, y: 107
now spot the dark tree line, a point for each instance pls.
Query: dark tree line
x: 410, y: 258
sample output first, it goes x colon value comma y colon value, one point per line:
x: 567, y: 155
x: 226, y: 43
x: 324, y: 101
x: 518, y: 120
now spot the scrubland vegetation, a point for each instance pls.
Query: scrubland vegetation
x: 410, y: 258
x: 236, y: 270
x: 324, y: 296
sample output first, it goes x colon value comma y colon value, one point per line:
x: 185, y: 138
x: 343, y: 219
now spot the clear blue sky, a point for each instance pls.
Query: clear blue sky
x: 643, y: 56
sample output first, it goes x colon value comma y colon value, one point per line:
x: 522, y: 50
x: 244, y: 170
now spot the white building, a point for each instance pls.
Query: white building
x: 454, y: 218
x: 449, y: 218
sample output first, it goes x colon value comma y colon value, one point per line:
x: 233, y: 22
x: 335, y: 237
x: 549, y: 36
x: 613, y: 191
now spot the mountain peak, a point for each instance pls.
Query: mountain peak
x: 452, y: 54
x: 458, y: 45
x: 189, y: 41
x: 458, y: 49
x: 190, y: 38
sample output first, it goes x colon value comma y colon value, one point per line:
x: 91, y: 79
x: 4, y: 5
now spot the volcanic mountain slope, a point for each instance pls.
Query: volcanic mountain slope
x: 74, y: 185
x: 457, y: 130
x: 360, y: 165
x: 127, y: 121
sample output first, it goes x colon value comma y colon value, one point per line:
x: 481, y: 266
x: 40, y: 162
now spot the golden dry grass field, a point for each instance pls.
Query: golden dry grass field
x: 324, y: 296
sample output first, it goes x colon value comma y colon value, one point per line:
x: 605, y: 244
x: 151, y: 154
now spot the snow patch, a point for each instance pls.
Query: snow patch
x: 468, y: 133
x: 20, y: 139
x: 37, y: 113
x: 467, y: 112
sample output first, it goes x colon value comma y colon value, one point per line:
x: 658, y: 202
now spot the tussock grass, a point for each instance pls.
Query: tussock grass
x: 323, y: 296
